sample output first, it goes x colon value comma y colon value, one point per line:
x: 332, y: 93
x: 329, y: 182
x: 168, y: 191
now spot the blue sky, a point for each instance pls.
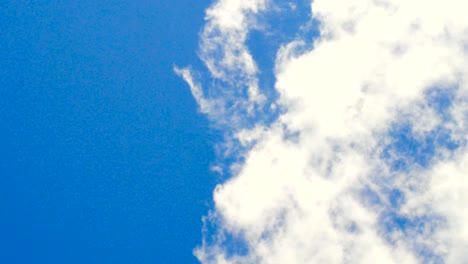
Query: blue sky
x: 103, y: 156
x: 234, y: 131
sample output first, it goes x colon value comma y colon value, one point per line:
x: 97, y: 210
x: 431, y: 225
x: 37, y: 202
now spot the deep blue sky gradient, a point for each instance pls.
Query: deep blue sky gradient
x: 103, y: 156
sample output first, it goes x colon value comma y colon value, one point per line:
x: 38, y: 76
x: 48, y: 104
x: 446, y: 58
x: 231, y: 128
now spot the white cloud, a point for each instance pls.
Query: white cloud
x: 233, y: 94
x: 448, y: 195
x: 315, y: 186
x: 206, y: 106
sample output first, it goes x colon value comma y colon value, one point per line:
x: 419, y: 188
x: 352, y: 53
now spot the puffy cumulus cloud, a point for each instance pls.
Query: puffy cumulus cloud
x: 448, y: 196
x: 367, y: 161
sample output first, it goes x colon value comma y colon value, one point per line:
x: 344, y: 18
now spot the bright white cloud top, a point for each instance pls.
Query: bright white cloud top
x: 366, y: 158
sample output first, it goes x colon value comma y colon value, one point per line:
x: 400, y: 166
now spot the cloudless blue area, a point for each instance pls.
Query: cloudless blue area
x: 103, y: 156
